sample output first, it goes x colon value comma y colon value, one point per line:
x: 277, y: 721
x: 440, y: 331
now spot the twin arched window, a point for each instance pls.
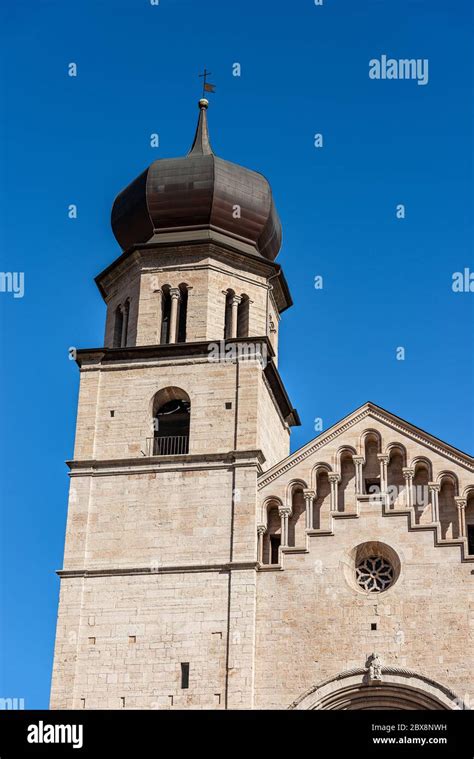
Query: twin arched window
x: 237, y: 314
x: 174, y: 311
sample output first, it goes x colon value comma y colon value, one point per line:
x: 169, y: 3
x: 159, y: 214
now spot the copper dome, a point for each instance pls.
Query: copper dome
x: 198, y: 191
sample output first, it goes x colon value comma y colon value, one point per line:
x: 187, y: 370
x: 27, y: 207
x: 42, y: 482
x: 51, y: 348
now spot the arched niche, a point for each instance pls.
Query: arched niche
x: 421, y: 492
x: 470, y: 520
x: 296, y: 522
x: 448, y: 512
x: 272, y: 536
x: 395, y: 478
x: 371, y: 447
x: 346, y: 485
x: 322, y: 500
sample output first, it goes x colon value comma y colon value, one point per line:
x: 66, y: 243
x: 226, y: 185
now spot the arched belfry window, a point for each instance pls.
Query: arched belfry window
x: 171, y: 421
x: 183, y: 313
x: 243, y: 317
x: 118, y: 327
x: 126, y: 313
x: 121, y: 325
x: 165, y: 314
x: 174, y: 309
x: 230, y: 296
x: 236, y: 322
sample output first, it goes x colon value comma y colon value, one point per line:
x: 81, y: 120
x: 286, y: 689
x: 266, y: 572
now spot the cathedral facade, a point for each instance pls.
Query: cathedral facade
x: 207, y: 568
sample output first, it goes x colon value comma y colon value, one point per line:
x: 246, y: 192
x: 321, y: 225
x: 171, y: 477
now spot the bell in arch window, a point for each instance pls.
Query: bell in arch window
x: 171, y: 422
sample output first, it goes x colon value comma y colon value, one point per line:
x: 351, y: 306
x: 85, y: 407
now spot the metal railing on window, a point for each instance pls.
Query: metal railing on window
x: 167, y: 446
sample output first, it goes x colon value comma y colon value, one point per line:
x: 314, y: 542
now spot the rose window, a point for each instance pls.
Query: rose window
x: 374, y: 574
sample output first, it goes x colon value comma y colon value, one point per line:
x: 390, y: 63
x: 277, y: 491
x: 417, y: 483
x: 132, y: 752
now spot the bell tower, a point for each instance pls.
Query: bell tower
x: 178, y: 413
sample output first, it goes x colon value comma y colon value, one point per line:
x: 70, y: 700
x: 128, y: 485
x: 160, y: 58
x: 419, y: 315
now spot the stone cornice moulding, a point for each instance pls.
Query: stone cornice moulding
x: 151, y: 353
x: 157, y: 570
x: 150, y: 464
x: 375, y: 412
x: 258, y: 280
x: 219, y: 245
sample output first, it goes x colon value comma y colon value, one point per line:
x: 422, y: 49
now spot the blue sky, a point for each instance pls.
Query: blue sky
x: 387, y: 281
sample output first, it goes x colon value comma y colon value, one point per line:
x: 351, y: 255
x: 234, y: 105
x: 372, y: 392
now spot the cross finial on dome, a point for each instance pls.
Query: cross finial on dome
x: 191, y: 193
x: 201, y: 144
x: 206, y: 86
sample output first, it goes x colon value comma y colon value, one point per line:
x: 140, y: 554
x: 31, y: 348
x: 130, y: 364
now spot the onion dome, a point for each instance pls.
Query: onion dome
x: 198, y: 191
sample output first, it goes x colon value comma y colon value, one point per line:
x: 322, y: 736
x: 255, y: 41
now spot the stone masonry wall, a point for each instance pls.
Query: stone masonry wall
x: 314, y: 622
x: 128, y: 391
x: 312, y: 625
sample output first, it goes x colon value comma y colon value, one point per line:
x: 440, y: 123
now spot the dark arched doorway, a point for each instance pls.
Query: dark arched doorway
x: 398, y: 689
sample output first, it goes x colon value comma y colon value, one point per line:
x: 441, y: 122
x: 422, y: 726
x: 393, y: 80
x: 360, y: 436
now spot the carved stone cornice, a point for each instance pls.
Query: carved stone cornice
x: 152, y: 464
x: 379, y: 414
x: 165, y: 569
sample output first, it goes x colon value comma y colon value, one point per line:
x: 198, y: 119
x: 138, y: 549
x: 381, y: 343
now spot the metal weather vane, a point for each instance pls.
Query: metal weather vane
x: 206, y: 86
